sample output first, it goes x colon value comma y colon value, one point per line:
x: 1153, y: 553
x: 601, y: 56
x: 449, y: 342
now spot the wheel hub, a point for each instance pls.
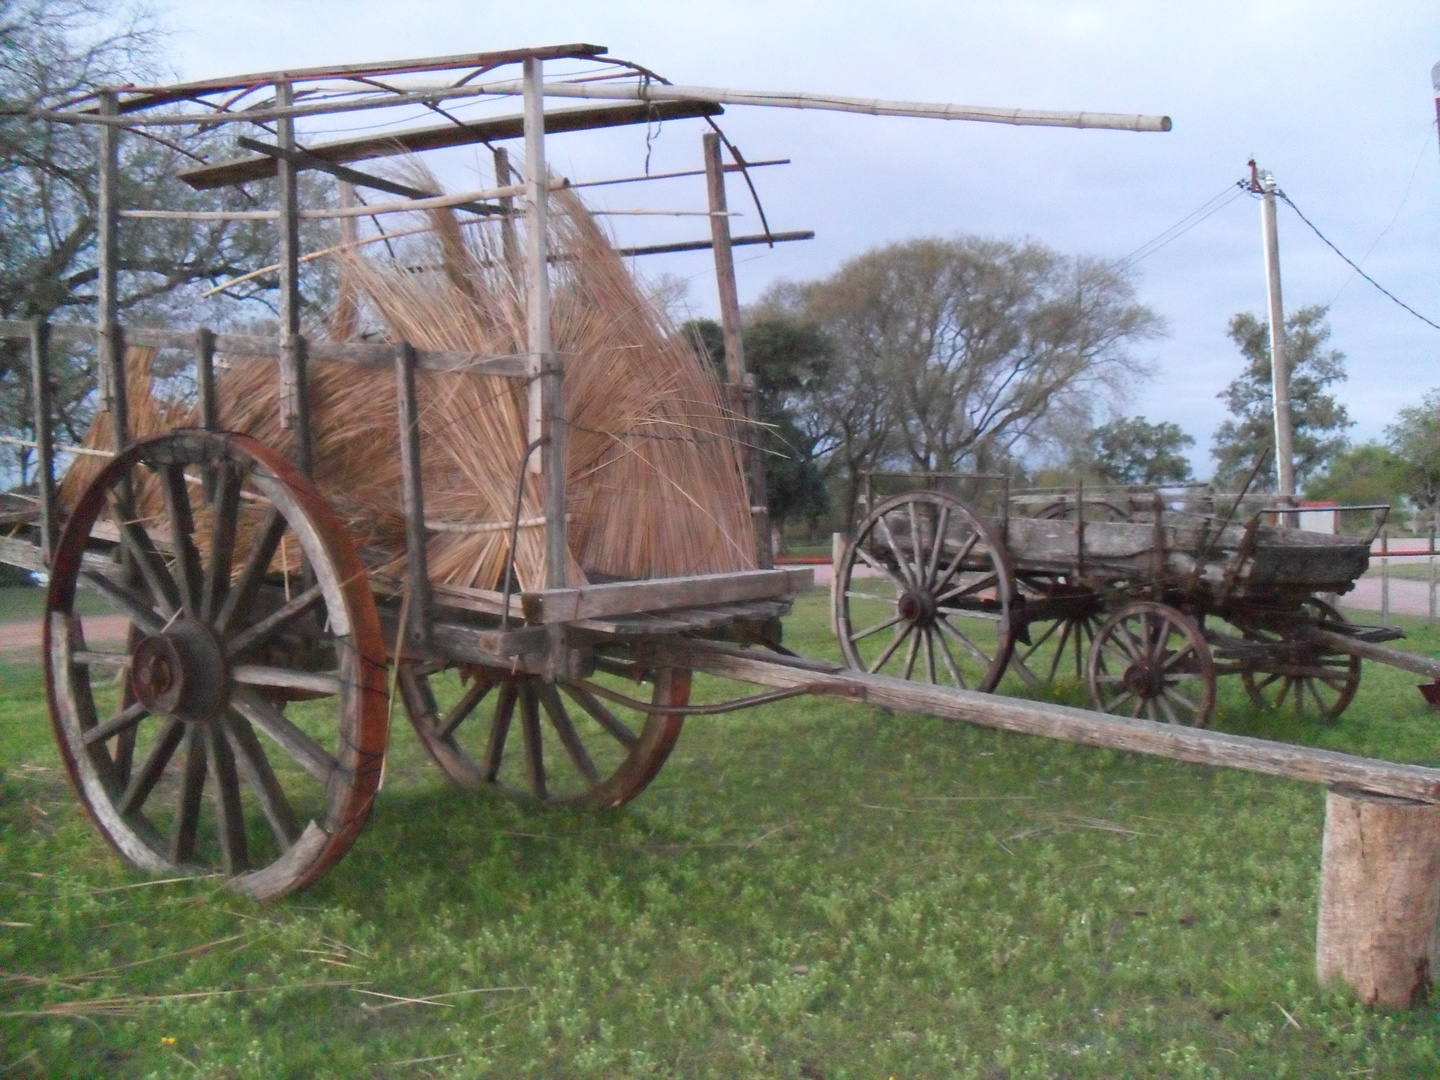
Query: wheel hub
x: 917, y: 607
x: 1143, y: 679
x: 182, y: 672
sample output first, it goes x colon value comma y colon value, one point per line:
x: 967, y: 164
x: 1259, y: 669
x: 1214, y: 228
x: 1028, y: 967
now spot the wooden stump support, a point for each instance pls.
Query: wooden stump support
x: 1379, y: 897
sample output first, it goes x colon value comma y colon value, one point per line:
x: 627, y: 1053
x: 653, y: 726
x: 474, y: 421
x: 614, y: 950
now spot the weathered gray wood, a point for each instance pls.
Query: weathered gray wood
x: 40, y: 400
x: 1062, y: 722
x: 440, y: 136
x: 509, y: 243
x: 736, y: 375
x: 663, y: 594
x: 303, y: 159
x: 205, y: 376
x: 1379, y: 898
x: 1420, y: 665
x: 294, y: 409
x: 706, y: 245
x: 418, y: 583
x: 111, y: 367
x: 149, y: 96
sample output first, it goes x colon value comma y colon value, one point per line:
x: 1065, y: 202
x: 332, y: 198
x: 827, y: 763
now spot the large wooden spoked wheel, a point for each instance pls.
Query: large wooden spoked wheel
x: 926, y: 591
x: 1060, y: 636
x: 1310, y: 678
x: 1150, y: 660
x: 541, y: 742
x: 181, y: 746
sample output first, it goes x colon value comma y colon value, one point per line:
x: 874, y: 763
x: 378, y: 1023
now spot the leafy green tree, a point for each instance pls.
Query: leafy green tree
x: 789, y: 361
x: 1134, y: 451
x: 1415, y: 440
x: 1318, y: 420
x: 1367, y: 474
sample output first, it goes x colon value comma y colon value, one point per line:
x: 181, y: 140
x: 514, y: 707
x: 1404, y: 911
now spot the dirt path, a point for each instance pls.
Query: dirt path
x: 99, y: 629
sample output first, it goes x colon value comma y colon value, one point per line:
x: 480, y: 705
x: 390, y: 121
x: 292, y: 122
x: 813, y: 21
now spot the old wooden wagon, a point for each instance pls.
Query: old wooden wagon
x: 1150, y: 595
x: 271, y: 624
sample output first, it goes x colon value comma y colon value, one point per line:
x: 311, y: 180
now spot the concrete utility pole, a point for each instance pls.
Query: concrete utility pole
x: 1264, y: 184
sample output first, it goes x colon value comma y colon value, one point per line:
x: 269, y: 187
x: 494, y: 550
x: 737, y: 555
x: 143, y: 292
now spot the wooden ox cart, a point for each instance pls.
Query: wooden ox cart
x: 1149, y: 611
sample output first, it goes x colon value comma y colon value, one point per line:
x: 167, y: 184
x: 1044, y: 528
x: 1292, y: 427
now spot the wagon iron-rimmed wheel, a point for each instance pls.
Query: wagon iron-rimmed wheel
x: 1060, y: 622
x: 243, y: 594
x: 926, y: 591
x: 1150, y: 660
x: 1310, y: 676
x: 539, y: 742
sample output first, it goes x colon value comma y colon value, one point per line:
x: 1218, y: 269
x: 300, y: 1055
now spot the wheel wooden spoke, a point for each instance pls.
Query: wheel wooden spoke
x: 1173, y: 661
x: 1284, y: 691
x: 986, y: 581
x: 226, y: 515
x: 930, y: 655
x: 255, y: 767
x: 93, y: 658
x: 950, y: 665
x: 960, y: 556
x: 1126, y: 638
x: 875, y: 564
x: 1055, y: 660
x: 569, y: 737
x: 603, y: 716
x: 192, y: 789
x: 534, y: 747
x: 266, y: 675
x: 918, y: 560
x: 969, y: 646
x: 164, y: 593
x: 124, y: 720
x: 276, y: 620
x: 131, y: 603
x: 475, y: 693
x: 904, y: 567
x: 884, y: 624
x: 873, y: 597
x: 1165, y: 708
x: 1135, y: 708
x: 901, y: 633
x: 229, y: 813
x: 912, y: 652
x: 182, y: 529
x: 143, y: 782
x: 301, y: 748
x: 500, y: 730
x: 1151, y: 712
x: 937, y: 548
x: 252, y: 572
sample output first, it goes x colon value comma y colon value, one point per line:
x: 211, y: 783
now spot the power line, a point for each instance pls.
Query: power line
x: 1210, y: 206
x: 1353, y: 264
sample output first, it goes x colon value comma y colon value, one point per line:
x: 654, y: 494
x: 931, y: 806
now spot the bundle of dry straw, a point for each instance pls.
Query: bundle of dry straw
x: 654, y: 482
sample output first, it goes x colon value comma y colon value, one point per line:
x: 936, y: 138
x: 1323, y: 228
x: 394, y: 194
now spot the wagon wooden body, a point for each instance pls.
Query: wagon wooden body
x: 1148, y: 611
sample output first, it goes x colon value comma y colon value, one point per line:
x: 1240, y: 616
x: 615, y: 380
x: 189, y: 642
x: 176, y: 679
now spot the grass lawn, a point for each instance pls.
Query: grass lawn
x: 811, y: 889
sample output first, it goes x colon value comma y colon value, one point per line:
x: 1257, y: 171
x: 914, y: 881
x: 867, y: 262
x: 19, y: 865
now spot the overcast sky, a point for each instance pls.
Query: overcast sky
x: 1334, y: 98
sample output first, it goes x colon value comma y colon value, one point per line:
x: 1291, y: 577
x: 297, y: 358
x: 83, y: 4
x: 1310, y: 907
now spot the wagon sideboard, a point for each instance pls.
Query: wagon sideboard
x: 1270, y: 559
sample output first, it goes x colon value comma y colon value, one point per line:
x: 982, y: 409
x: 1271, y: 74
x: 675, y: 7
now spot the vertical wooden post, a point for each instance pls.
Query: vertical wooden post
x: 837, y: 561
x: 294, y: 404
x: 510, y: 244
x: 111, y: 366
x: 205, y: 377
x: 44, y: 443
x: 547, y: 412
x: 741, y: 380
x: 1379, y: 897
x: 1432, y: 571
x: 408, y: 408
x: 1385, y: 577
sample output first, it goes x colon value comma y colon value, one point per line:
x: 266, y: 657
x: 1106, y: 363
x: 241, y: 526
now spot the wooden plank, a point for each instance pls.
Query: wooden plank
x: 149, y: 96
x: 1064, y: 723
x: 303, y: 159
x: 40, y: 401
x: 418, y: 582
x: 662, y: 594
x: 415, y: 140
x: 707, y: 245
x: 1344, y: 643
x: 738, y: 378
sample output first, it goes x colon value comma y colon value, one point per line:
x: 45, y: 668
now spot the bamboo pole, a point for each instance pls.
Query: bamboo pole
x: 654, y: 92
x: 434, y: 202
